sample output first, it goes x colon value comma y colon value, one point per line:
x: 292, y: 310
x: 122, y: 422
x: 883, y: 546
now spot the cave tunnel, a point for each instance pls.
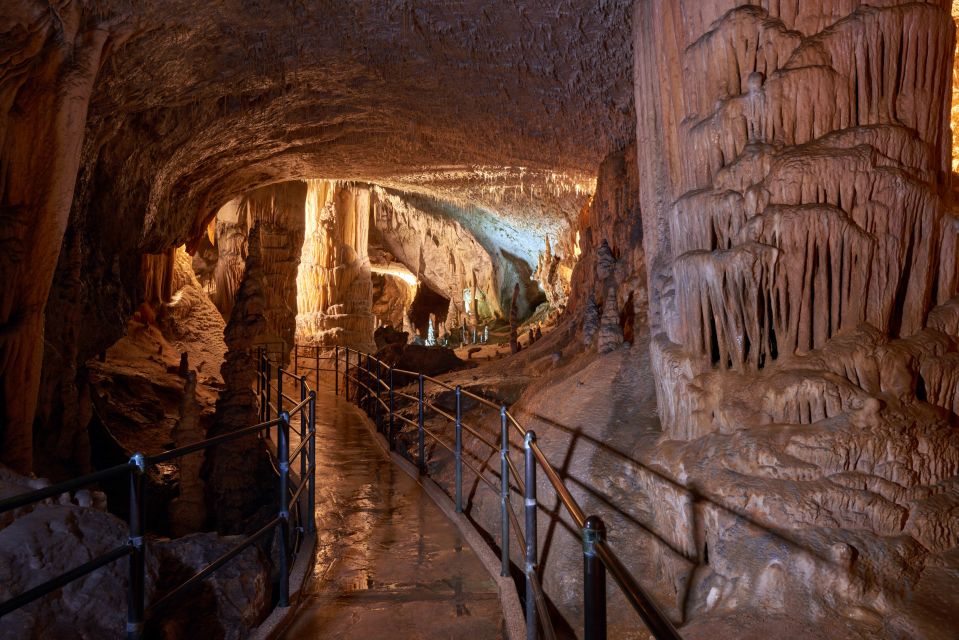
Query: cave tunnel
x: 693, y: 270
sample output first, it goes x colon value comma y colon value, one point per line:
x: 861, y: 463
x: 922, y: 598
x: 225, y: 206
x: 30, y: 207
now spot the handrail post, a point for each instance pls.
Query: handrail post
x: 390, y: 436
x: 283, y: 455
x: 336, y: 369
x: 594, y: 581
x: 366, y: 383
x: 303, y: 428
x: 531, y: 542
x: 504, y: 491
x: 311, y: 498
x: 136, y: 593
x: 259, y: 384
x: 279, y: 391
x: 267, y: 390
x: 458, y: 450
x: 346, y: 377
x: 421, y: 429
x: 379, y: 390
x: 375, y: 399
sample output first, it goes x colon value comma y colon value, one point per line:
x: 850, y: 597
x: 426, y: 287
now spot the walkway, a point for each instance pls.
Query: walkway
x: 389, y: 562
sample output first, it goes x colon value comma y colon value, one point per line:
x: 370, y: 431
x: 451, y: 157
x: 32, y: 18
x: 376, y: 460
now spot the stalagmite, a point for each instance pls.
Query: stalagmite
x: 610, y: 334
x: 188, y: 510
x: 590, y: 322
x: 334, y: 283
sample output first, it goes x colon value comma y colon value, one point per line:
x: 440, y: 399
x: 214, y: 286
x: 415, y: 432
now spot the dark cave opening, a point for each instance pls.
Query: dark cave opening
x: 426, y: 302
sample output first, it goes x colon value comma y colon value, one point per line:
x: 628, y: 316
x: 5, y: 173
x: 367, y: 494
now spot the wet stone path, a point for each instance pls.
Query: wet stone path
x: 389, y: 562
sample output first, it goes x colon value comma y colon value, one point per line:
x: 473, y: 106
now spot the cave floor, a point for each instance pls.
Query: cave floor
x: 389, y: 562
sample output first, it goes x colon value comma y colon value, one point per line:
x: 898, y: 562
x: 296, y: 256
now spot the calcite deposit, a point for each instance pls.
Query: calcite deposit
x: 733, y: 222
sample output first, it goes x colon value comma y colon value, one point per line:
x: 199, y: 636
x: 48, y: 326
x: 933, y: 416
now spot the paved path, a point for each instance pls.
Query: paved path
x: 389, y: 562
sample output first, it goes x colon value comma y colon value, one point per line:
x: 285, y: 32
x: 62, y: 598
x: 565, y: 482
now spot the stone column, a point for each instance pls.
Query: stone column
x: 335, y: 289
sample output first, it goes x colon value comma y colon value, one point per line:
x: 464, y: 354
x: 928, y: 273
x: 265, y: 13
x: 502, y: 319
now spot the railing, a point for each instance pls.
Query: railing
x: 288, y: 499
x: 376, y: 388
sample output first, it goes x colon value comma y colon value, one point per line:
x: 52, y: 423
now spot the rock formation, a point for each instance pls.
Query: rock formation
x: 188, y: 510
x: 334, y: 285
x: 236, y: 472
x: 794, y: 162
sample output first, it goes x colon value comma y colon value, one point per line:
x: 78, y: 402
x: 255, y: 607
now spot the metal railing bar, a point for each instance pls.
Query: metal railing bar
x: 482, y: 476
x: 63, y: 579
x: 299, y: 489
x: 542, y: 609
x: 24, y: 499
x: 210, y: 442
x: 314, y: 369
x: 412, y: 423
x: 480, y: 437
x: 298, y: 449
x: 432, y: 406
x: 290, y: 374
x: 405, y: 395
x: 200, y: 575
x: 439, y: 440
x: 439, y: 383
x: 299, y: 406
x: 655, y: 620
x: 564, y: 495
x: 516, y: 424
x: 515, y: 526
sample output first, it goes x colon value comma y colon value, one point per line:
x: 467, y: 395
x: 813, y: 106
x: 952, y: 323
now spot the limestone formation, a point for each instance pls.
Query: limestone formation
x: 334, y: 285
x: 590, y: 322
x: 553, y: 273
x: 757, y: 197
x: 610, y: 334
x: 236, y: 472
x: 795, y: 162
x: 188, y: 510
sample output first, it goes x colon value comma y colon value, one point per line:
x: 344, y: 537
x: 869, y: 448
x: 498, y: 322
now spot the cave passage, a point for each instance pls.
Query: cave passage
x: 390, y: 558
x: 706, y: 251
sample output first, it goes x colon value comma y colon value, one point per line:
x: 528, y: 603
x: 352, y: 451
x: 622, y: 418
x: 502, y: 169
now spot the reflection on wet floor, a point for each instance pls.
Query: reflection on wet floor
x: 389, y: 562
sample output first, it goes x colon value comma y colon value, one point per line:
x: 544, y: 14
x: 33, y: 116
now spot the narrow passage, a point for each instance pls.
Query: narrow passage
x: 389, y: 563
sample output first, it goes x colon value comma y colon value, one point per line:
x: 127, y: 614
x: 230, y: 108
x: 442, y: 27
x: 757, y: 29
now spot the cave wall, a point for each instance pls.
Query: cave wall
x: 609, y: 263
x: 794, y: 180
x: 797, y: 192
x: 47, y: 82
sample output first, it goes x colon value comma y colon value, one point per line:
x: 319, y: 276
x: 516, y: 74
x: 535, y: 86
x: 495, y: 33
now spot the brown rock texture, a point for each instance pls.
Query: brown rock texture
x: 794, y: 165
x: 334, y: 284
x: 237, y: 473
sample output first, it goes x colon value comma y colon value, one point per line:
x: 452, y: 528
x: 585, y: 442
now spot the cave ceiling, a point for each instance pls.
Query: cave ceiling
x: 508, y: 107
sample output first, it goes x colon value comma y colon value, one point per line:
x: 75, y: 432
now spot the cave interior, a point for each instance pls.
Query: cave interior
x: 707, y: 250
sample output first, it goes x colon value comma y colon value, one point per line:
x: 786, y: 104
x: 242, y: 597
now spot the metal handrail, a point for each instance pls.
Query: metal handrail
x: 598, y: 556
x: 135, y: 469
x: 37, y: 495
